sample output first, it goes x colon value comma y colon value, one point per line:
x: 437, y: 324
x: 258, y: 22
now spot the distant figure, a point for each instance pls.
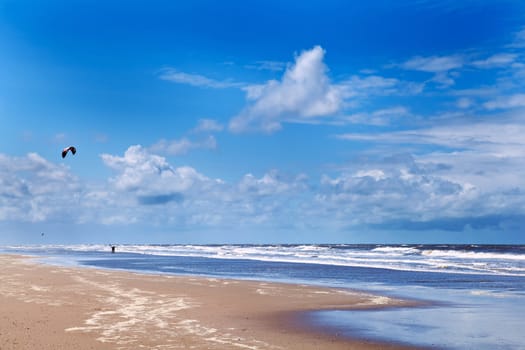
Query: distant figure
x: 42, y: 234
x: 113, y: 249
x: 70, y: 148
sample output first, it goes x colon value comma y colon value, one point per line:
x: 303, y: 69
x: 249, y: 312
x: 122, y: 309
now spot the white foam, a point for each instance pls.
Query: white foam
x: 474, y: 255
x: 39, y: 288
x: 406, y: 258
x: 127, y: 313
x: 381, y: 300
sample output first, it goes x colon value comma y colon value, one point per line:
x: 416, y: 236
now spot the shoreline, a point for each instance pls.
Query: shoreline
x: 49, y: 307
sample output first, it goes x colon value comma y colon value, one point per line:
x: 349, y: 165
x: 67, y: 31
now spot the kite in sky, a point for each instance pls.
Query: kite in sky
x: 70, y: 148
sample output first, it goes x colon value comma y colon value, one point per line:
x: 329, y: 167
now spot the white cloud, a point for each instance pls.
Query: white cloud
x: 434, y: 64
x: 275, y: 102
x: 304, y: 94
x: 58, y: 138
x: 371, y: 83
x: 497, y: 60
x: 270, y: 184
x: 304, y: 91
x: 101, y: 138
x: 464, y: 102
x: 275, y: 66
x: 485, y: 91
x: 145, y: 189
x: 208, y: 125
x: 482, y: 175
x: 149, y: 188
x: 443, y: 79
x: 506, y: 102
x: 485, y: 159
x: 448, y: 68
x: 393, y: 111
x: 197, y: 141
x: 468, y: 166
x: 394, y: 189
x: 503, y: 139
x: 519, y: 39
x: 253, y: 92
x: 441, y: 66
x: 518, y: 70
x: 184, y: 145
x: 376, y: 174
x: 34, y: 189
x: 375, y: 85
x: 465, y: 182
x: 439, y: 189
x: 175, y: 76
x: 380, y: 117
x: 148, y: 174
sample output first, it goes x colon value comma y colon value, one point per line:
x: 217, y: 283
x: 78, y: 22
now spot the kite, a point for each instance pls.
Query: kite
x: 67, y: 149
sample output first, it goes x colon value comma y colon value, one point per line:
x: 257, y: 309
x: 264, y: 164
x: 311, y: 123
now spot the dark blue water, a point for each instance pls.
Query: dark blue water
x: 298, y: 272
x: 467, y: 310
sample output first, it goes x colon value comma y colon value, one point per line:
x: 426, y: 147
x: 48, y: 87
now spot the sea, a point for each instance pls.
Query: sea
x: 474, y: 295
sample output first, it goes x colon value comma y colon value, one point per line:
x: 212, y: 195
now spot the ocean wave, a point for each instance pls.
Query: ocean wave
x: 472, y: 255
x: 397, y: 250
x: 443, y: 259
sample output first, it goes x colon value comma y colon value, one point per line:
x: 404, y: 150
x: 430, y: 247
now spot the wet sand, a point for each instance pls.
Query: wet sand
x: 49, y: 307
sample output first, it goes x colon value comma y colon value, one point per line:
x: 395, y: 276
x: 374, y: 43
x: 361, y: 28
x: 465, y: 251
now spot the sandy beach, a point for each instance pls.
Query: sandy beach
x: 51, y: 307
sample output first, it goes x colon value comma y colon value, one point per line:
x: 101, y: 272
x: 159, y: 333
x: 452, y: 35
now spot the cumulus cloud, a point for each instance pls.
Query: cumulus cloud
x: 465, y: 167
x: 443, y: 191
x: 305, y: 94
x: 148, y: 175
x: 462, y: 171
x: 396, y: 188
x: 33, y: 189
x: 270, y: 183
x: 305, y: 91
x: 431, y: 189
x: 149, y: 188
x: 144, y: 189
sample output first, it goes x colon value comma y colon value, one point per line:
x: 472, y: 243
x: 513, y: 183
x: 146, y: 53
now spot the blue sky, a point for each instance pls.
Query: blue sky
x: 262, y: 121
